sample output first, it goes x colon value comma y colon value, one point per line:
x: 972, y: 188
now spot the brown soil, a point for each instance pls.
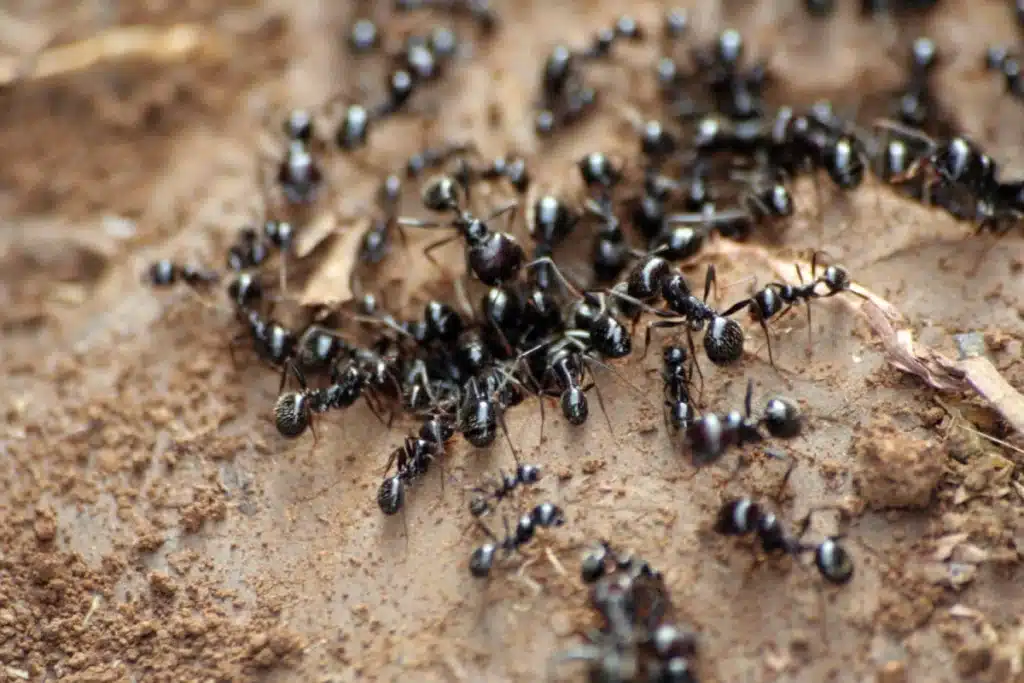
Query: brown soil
x: 153, y: 526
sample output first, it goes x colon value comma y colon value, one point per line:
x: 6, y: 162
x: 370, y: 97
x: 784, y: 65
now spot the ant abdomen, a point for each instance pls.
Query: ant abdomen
x: 574, y: 405
x: 391, y: 495
x: 833, y: 561
x: 291, y: 414
x: 723, y: 341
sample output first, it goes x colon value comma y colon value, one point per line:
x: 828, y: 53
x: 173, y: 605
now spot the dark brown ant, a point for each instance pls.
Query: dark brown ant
x: 711, y: 435
x: 493, y: 256
x: 494, y: 490
x: 776, y: 298
x: 482, y: 559
x: 164, y: 273
x: 742, y: 516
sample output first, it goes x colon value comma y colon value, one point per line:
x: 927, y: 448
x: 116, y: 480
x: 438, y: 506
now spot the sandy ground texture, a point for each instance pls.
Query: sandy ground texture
x: 154, y: 526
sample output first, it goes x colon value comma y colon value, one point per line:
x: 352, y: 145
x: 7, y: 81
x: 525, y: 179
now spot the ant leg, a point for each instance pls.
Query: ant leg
x: 500, y: 211
x: 374, y: 409
x: 557, y: 271
x: 693, y: 355
x: 768, y: 340
x: 659, y: 324
x: 600, y: 403
x: 438, y: 245
x: 709, y: 281
x: 749, y: 396
x: 785, y: 480
x: 504, y: 429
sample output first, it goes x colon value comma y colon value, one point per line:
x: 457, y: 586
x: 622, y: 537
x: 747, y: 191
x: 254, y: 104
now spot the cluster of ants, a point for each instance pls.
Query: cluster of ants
x: 716, y: 162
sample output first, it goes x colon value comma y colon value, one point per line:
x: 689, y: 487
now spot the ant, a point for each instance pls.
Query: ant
x: 544, y: 515
x: 775, y: 298
x: 493, y: 256
x: 363, y: 36
x: 957, y: 162
x: 164, y: 273
x: 376, y: 241
x: 413, y: 459
x: 636, y: 641
x: 496, y: 489
x: 742, y: 516
x: 711, y: 434
x: 483, y: 409
x: 293, y: 410
x: 676, y: 390
x: 552, y: 220
x: 564, y: 362
x: 611, y: 251
x: 723, y: 336
x: 298, y: 173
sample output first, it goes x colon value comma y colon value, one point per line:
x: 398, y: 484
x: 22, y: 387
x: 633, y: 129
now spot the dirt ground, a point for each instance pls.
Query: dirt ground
x: 156, y: 528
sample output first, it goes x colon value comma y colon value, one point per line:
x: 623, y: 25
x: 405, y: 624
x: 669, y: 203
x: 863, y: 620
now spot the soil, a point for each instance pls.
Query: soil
x: 154, y: 526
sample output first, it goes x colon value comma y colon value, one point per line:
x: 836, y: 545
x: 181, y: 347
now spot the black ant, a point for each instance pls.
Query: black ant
x: 363, y: 36
x: 164, y: 273
x: 298, y: 173
x: 599, y: 171
x: 552, y: 220
x: 413, y: 459
x: 636, y: 641
x: 915, y: 104
x: 611, y: 251
x: 742, y: 516
x: 564, y: 365
x: 544, y: 515
x: 482, y: 409
x: 245, y: 289
x: 676, y: 391
x: 956, y: 161
x: 293, y: 410
x: 712, y: 434
x: 776, y: 297
x: 496, y: 489
x: 723, y: 336
x: 493, y: 256
x: 376, y: 241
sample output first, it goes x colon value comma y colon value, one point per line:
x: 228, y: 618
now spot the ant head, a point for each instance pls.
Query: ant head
x: 291, y: 414
x: 299, y: 126
x: 674, y: 355
x: 391, y: 495
x: 440, y: 193
x: 780, y: 200
x: 836, y: 278
x: 547, y: 514
x: 729, y: 48
x: 354, y: 127
x: 574, y: 405
x: 528, y: 474
x: 923, y: 54
x: 476, y: 231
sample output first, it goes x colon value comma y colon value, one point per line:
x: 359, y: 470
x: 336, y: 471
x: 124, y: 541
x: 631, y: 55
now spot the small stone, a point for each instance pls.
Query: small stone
x: 45, y: 526
x: 893, y: 671
x: 162, y: 584
x: 894, y: 470
x: 973, y: 658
